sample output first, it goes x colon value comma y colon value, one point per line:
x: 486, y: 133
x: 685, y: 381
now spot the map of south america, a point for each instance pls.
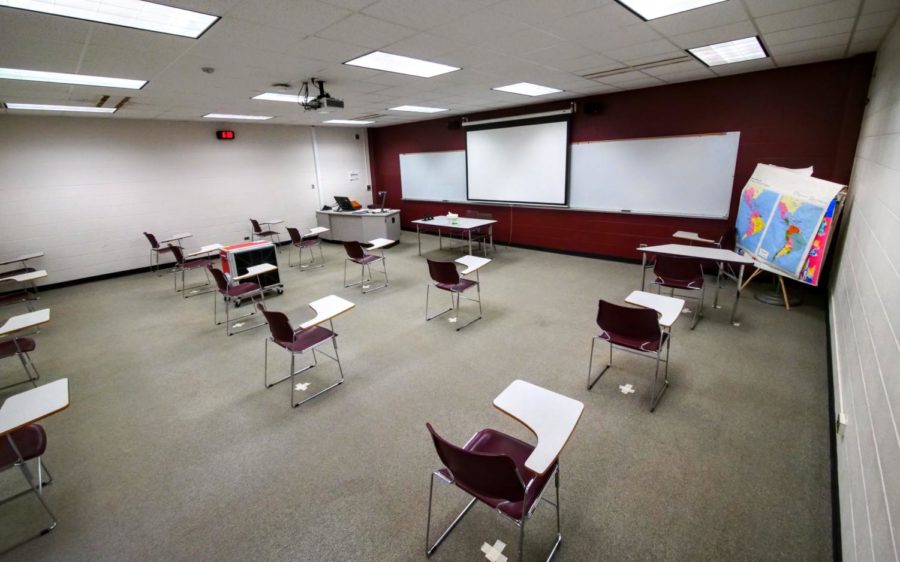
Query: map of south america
x: 794, y: 225
x: 753, y: 215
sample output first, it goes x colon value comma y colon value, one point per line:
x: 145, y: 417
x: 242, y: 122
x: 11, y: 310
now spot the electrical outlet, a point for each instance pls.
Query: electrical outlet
x: 246, y: 238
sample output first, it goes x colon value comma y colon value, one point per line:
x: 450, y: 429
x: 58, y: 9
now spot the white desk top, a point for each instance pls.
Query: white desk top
x: 379, y: 243
x: 326, y: 309
x: 370, y: 213
x: 174, y: 237
x: 33, y: 405
x: 463, y: 223
x: 206, y: 249
x: 255, y: 270
x: 271, y: 221
x: 550, y: 416
x: 714, y: 254
x: 669, y: 308
x: 23, y: 277
x: 472, y: 263
x: 315, y: 231
x: 684, y: 235
x: 25, y: 321
x: 23, y: 258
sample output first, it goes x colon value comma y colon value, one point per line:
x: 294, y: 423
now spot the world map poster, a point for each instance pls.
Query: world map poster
x: 791, y: 230
x: 754, y: 212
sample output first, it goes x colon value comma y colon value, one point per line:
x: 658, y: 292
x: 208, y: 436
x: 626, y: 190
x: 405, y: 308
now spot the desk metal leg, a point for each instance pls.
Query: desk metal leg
x: 440, y: 240
x: 419, y: 239
x: 737, y: 296
x: 470, y: 241
x: 718, y: 285
x: 643, y: 269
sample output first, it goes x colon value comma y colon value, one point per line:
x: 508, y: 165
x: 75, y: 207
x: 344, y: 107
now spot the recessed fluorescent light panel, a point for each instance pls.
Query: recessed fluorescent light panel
x: 527, y: 89
x: 417, y: 109
x: 127, y: 13
x: 45, y: 107
x: 402, y: 65
x: 347, y: 122
x: 231, y: 116
x: 652, y: 9
x: 75, y: 79
x: 290, y: 98
x: 730, y: 51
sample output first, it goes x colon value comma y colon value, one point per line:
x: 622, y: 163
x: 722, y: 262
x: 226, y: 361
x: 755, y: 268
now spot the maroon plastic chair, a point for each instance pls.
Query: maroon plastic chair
x: 233, y: 295
x: 490, y: 467
x: 183, y: 265
x: 357, y: 255
x: 445, y: 277
x: 20, y: 296
x: 635, y: 330
x: 16, y: 449
x: 156, y: 250
x: 684, y: 274
x: 298, y: 341
x: 272, y: 235
x: 308, y: 242
x: 21, y: 347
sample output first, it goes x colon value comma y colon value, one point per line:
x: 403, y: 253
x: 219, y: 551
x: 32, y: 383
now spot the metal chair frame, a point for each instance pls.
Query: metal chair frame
x: 179, y: 267
x: 520, y: 523
x: 315, y: 363
x: 362, y: 275
x: 229, y: 299
x: 33, y: 374
x: 454, y: 305
x: 312, y: 262
x: 698, y: 312
x: 654, y: 396
x: 36, y: 489
x: 256, y: 230
x: 156, y: 250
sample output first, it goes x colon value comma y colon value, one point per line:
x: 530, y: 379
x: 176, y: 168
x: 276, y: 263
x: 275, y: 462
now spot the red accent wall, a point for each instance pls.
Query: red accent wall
x: 795, y: 117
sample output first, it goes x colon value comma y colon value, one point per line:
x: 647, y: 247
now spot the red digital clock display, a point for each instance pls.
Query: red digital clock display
x: 225, y: 135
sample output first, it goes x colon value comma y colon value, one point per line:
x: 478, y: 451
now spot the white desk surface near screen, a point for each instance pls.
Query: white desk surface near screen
x: 206, y: 249
x: 255, y: 270
x: 669, y: 308
x: 472, y: 264
x: 25, y: 277
x: 33, y: 405
x: 462, y: 223
x: 176, y: 237
x: 272, y: 221
x: 550, y: 416
x: 379, y: 243
x: 714, y: 254
x: 25, y: 321
x: 23, y: 258
x: 692, y: 236
x: 315, y: 231
x: 326, y: 309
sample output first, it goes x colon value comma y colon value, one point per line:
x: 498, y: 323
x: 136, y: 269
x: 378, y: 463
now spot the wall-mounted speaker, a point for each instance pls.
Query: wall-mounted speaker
x: 454, y: 124
x: 593, y: 108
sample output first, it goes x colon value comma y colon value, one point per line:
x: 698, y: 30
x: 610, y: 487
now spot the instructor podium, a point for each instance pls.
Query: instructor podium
x: 237, y: 258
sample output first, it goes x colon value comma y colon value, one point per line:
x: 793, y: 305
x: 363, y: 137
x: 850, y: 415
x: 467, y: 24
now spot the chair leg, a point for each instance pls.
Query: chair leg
x: 522, y: 540
x: 590, y: 384
x: 430, y: 548
x: 427, y: 289
x: 35, y: 489
x: 654, y: 396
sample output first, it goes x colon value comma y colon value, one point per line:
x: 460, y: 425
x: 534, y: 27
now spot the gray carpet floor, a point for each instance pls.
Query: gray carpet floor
x: 172, y: 449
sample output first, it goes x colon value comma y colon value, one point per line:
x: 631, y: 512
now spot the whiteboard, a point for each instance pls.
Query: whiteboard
x: 690, y: 176
x: 433, y: 176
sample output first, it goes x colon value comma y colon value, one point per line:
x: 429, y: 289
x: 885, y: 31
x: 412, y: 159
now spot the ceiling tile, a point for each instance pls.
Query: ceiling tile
x: 883, y: 18
x: 714, y: 15
x: 746, y: 66
x: 644, y: 52
x: 519, y: 42
x: 809, y: 32
x: 760, y: 8
x: 419, y: 14
x: 830, y: 41
x: 366, y: 31
x: 677, y: 68
x: 299, y: 18
x: 539, y: 12
x: 805, y: 57
x: 808, y: 16
x: 478, y: 27
x: 715, y: 35
x: 326, y: 50
x: 878, y: 5
x: 424, y: 46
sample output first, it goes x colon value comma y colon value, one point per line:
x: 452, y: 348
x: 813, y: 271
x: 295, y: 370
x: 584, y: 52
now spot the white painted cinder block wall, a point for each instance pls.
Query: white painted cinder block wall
x: 865, y: 327
x: 83, y: 190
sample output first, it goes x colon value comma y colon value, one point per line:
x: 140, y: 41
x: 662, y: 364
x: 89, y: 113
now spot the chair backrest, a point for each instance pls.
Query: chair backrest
x: 256, y: 228
x: 488, y: 475
x: 281, y: 329
x: 30, y: 440
x: 471, y: 214
x: 634, y: 323
x: 176, y: 251
x: 678, y: 269
x: 219, y: 276
x: 354, y: 250
x: 294, y: 234
x: 487, y: 216
x: 153, y: 243
x: 443, y: 272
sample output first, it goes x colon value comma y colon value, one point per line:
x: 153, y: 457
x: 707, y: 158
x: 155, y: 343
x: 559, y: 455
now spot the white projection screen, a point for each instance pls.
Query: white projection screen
x: 526, y: 163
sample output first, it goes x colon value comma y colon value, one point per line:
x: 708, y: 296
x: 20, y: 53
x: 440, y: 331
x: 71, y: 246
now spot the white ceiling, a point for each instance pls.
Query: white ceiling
x: 495, y: 42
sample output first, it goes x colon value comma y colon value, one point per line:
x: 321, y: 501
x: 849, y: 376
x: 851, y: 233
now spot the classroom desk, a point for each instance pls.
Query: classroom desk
x: 464, y: 225
x: 177, y: 238
x: 327, y: 309
x: 24, y: 322
x: 358, y: 226
x: 691, y: 237
x: 717, y: 255
x: 550, y: 416
x: 23, y: 258
x: 271, y: 221
x: 256, y: 271
x: 209, y: 248
x: 315, y: 231
x: 472, y: 264
x: 31, y: 276
x: 668, y: 308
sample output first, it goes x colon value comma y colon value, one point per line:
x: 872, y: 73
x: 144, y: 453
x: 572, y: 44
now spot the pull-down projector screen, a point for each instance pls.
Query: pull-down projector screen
x: 525, y: 163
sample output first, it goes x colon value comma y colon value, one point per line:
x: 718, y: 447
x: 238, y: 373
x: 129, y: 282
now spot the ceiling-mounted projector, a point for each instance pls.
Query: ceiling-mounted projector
x: 323, y: 103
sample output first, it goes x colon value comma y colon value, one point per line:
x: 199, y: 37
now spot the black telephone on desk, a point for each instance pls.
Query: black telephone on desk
x: 428, y: 218
x: 326, y: 208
